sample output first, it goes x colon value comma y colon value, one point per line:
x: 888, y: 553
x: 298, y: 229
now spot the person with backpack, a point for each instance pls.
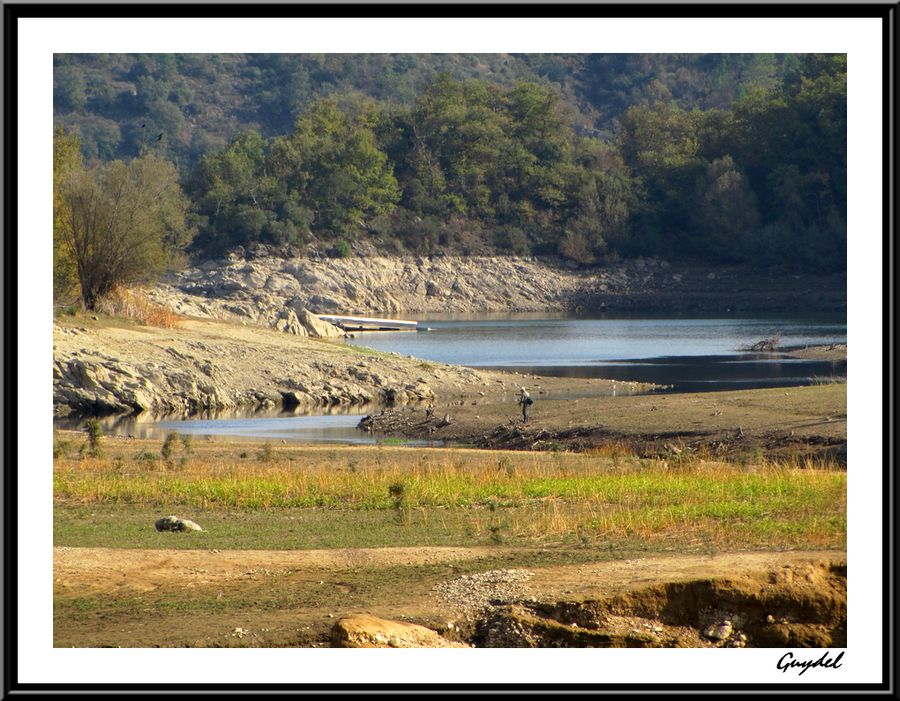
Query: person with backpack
x: 526, y: 401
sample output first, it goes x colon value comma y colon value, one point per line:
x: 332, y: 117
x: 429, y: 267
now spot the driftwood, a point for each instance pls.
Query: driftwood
x: 766, y: 345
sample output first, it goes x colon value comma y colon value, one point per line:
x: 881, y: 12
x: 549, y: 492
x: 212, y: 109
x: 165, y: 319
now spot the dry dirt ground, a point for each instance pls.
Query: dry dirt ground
x: 104, y: 596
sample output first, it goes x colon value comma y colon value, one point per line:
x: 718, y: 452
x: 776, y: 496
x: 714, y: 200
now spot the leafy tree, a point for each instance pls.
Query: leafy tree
x: 121, y: 222
x: 726, y: 217
x: 731, y: 157
x: 68, y: 93
x: 662, y: 146
x: 67, y: 161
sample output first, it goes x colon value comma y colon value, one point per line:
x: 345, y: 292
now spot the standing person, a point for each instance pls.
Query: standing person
x: 526, y: 401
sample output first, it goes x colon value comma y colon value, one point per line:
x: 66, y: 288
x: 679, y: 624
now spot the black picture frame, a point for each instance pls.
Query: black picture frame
x: 14, y: 267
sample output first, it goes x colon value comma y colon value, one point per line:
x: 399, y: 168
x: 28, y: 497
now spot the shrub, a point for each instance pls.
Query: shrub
x: 168, y: 446
x: 61, y: 449
x: 94, y: 432
x: 576, y: 247
x: 397, y: 493
x: 342, y: 249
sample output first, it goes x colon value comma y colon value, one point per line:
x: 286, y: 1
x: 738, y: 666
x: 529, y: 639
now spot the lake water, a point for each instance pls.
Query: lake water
x: 687, y: 354
x: 339, y: 425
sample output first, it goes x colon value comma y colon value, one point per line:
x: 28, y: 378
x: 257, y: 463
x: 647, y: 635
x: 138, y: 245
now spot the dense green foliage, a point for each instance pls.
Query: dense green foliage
x: 201, y: 101
x: 732, y: 158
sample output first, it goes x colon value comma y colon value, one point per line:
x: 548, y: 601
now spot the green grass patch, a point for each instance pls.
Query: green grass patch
x: 301, y: 498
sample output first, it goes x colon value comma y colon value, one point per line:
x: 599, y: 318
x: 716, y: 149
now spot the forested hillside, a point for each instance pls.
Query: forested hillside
x: 731, y: 158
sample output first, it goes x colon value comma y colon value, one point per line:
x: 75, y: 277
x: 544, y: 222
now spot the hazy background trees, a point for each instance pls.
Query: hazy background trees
x: 737, y: 159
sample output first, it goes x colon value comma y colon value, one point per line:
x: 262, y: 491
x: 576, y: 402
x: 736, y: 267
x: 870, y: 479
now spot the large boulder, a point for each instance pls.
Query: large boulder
x: 318, y: 328
x: 313, y: 325
x: 288, y: 322
x: 362, y: 630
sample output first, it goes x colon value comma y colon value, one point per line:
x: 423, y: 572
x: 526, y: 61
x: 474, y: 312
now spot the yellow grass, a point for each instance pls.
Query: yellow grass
x: 133, y: 303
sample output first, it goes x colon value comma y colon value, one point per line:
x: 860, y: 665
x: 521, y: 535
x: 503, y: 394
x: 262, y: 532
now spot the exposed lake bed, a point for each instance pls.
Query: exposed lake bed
x: 301, y: 533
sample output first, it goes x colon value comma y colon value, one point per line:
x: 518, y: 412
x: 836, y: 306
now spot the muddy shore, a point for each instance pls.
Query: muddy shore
x: 108, y: 366
x: 794, y: 422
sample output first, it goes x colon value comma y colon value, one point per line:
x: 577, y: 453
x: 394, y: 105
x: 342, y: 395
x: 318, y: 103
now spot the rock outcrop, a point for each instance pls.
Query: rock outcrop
x: 362, y: 630
x: 257, y: 287
x: 208, y: 367
x: 265, y: 289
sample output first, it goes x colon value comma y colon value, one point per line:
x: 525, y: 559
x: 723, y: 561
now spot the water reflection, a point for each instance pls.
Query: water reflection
x: 322, y: 425
x: 703, y: 373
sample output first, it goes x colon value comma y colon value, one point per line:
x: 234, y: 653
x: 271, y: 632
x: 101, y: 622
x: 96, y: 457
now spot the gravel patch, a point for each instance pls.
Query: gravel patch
x: 476, y: 593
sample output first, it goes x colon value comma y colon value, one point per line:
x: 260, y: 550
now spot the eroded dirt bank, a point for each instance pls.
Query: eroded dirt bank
x: 749, y: 599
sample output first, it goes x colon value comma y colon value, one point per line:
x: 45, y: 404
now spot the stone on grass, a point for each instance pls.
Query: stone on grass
x: 173, y: 523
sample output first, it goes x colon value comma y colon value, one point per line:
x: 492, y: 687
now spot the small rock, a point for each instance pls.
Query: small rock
x: 720, y: 631
x: 175, y: 524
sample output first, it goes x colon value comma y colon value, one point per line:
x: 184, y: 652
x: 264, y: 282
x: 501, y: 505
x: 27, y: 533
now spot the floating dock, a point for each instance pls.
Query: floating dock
x: 360, y: 323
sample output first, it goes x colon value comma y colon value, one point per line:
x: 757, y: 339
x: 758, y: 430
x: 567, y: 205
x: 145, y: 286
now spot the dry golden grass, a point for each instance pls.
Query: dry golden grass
x: 133, y: 303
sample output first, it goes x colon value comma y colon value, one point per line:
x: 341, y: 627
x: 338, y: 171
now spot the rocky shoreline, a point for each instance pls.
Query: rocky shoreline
x: 207, y: 366
x: 259, y: 287
x: 251, y: 339
x: 105, y: 366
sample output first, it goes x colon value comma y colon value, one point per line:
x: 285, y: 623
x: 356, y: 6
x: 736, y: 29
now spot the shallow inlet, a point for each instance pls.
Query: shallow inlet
x: 334, y: 427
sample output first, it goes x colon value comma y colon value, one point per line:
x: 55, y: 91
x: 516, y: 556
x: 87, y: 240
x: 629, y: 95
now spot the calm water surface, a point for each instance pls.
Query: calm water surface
x: 337, y: 426
x: 689, y: 354
x: 686, y: 354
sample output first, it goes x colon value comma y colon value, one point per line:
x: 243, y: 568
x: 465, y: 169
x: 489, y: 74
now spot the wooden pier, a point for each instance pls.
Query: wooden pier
x: 359, y: 323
